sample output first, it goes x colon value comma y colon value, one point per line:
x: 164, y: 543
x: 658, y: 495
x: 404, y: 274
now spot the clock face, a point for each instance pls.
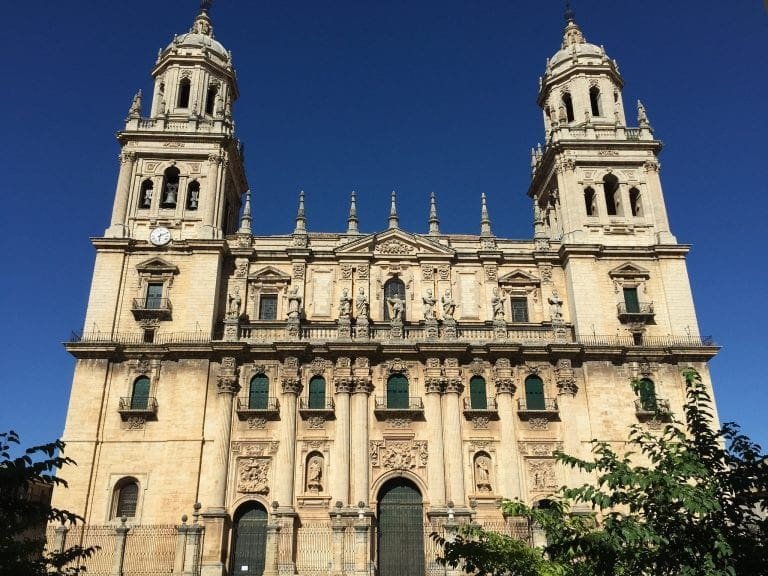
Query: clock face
x: 160, y: 236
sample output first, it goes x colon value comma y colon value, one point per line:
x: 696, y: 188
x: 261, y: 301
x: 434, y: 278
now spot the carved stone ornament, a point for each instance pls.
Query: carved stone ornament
x: 227, y: 380
x: 432, y: 363
x: 540, y: 449
x: 565, y: 378
x: 253, y: 475
x: 480, y: 422
x: 427, y: 272
x: 398, y: 423
x: 241, y: 271
x: 451, y: 362
x: 346, y: 271
x: 454, y: 386
x: 300, y: 241
x: 396, y: 366
x: 257, y: 423
x: 546, y: 273
x: 343, y: 362
x: 398, y: 454
x: 541, y: 475
x: 645, y: 369
x: 291, y: 385
x: 433, y: 385
x: 503, y: 364
x: 318, y: 366
x: 491, y: 272
x: 315, y: 422
x: 477, y: 367
x: 299, y: 270
x: 444, y: 271
x: 488, y: 243
x: 291, y: 363
x: 259, y: 369
x: 344, y: 384
x: 135, y: 423
x: 362, y: 271
x: 255, y: 448
x: 362, y: 363
x: 363, y: 385
x: 394, y: 246
x: 538, y: 424
x: 505, y: 386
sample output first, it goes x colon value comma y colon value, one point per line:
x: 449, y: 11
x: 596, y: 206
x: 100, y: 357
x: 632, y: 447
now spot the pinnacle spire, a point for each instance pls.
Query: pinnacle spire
x: 572, y: 34
x: 485, y: 221
x: 570, y: 15
x: 394, y: 220
x: 205, y: 5
x: 434, y: 221
x: 245, y: 220
x: 352, y: 220
x: 301, y: 218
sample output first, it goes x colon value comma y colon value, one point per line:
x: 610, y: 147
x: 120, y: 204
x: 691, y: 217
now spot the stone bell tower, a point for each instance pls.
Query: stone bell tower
x: 596, y: 180
x: 182, y: 167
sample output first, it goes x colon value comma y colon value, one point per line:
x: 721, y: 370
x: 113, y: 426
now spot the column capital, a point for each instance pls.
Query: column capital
x: 344, y: 384
x: 291, y: 386
x: 505, y: 386
x: 454, y: 386
x: 433, y: 385
x: 227, y: 379
x: 363, y: 386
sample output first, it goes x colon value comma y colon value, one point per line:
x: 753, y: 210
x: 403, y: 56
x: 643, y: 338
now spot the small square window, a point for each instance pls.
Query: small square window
x: 520, y: 310
x: 268, y: 307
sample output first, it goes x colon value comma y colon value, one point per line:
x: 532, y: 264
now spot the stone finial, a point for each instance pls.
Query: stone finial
x: 135, y: 109
x: 434, y: 221
x: 394, y: 220
x: 205, y: 5
x: 352, y: 220
x: 301, y: 218
x: 572, y: 34
x: 642, y: 116
x: 485, y: 221
x: 202, y: 24
x: 246, y: 220
x: 533, y: 157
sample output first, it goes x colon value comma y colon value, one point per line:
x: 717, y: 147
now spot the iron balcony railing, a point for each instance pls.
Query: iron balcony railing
x: 635, y: 309
x: 269, y: 404
x: 652, y: 406
x: 537, y: 404
x: 667, y: 341
x: 489, y: 405
x: 132, y: 338
x: 325, y: 404
x: 148, y: 304
x: 414, y: 403
x: 137, y: 405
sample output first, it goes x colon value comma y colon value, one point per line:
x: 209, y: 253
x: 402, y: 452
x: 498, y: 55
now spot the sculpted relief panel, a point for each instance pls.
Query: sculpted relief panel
x: 398, y: 454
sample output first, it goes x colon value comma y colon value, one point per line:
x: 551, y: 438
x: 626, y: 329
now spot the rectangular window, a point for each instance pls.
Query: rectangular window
x: 519, y: 310
x: 631, y: 301
x: 268, y: 307
x: 154, y: 296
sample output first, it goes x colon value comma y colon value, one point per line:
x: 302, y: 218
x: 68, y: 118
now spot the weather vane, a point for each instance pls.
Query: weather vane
x: 569, y: 13
x: 205, y: 5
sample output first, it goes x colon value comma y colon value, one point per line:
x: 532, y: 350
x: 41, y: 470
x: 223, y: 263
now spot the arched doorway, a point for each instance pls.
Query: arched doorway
x: 400, y: 542
x: 249, y: 540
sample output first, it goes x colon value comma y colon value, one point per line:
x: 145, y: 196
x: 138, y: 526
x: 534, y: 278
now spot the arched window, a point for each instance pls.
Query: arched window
x: 125, y: 499
x: 646, y: 389
x: 317, y: 393
x: 611, y: 188
x: 594, y: 101
x: 258, y: 392
x: 145, y: 197
x: 140, y: 393
x: 193, y: 195
x: 534, y: 393
x: 568, y: 104
x: 185, y: 88
x: 477, y: 397
x: 210, y: 99
x: 590, y: 201
x: 394, y: 288
x: 397, y: 391
x: 634, y: 202
x: 170, y: 187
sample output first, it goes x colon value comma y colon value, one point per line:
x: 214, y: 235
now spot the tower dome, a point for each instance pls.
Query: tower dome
x: 575, y: 48
x: 199, y: 38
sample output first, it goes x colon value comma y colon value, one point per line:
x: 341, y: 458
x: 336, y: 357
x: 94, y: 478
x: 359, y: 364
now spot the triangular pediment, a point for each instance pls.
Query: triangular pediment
x: 157, y: 265
x: 395, y: 243
x: 270, y: 274
x: 629, y: 270
x: 520, y: 278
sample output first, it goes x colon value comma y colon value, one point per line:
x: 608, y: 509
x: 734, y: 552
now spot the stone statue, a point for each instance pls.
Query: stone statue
x: 397, y: 304
x: 556, y: 307
x: 482, y: 475
x: 429, y: 302
x: 497, y: 304
x: 345, y: 304
x: 315, y: 475
x: 233, y: 308
x: 294, y: 303
x: 449, y: 306
x: 361, y: 304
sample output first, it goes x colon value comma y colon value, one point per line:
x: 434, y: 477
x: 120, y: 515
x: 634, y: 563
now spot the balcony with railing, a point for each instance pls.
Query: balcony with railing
x: 481, y: 407
x: 309, y: 407
x: 264, y: 407
x: 635, y: 311
x: 652, y: 409
x: 537, y: 407
x: 411, y: 407
x: 138, y: 406
x: 143, y: 308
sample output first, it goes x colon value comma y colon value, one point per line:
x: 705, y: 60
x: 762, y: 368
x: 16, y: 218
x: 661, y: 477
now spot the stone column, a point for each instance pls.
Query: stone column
x: 215, y: 517
x: 208, y: 194
x: 454, y: 457
x: 338, y: 527
x: 508, y: 478
x: 272, y: 552
x: 181, y: 546
x: 121, y: 532
x: 117, y: 227
x: 362, y: 547
x: 433, y: 414
x: 339, y: 472
x: 359, y: 432
x: 286, y: 453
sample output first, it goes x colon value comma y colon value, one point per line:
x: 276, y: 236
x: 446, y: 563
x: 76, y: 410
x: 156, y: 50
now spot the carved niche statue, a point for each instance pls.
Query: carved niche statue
x: 429, y: 302
x: 294, y: 303
x: 397, y: 304
x: 449, y: 306
x: 345, y: 304
x: 556, y: 307
x: 315, y: 474
x: 233, y: 307
x: 483, y: 474
x: 361, y: 305
x: 497, y: 304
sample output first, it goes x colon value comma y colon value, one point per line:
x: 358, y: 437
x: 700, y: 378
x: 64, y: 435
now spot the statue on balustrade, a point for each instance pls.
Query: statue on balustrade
x: 429, y: 302
x: 449, y: 306
x: 345, y: 304
x: 294, y: 303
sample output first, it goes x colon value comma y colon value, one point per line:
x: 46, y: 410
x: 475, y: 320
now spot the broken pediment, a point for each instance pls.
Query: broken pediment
x: 519, y: 278
x: 157, y: 266
x: 629, y: 270
x: 395, y: 243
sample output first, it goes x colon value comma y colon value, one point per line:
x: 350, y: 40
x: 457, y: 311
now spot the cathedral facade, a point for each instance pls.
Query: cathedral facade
x: 318, y: 403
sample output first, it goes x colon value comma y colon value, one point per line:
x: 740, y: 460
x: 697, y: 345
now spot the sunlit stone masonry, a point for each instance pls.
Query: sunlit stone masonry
x: 319, y: 403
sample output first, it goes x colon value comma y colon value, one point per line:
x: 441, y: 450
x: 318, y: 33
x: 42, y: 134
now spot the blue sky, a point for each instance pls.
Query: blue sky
x: 414, y: 96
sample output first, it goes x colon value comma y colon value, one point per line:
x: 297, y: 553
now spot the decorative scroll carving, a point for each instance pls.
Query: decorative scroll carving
x: 317, y: 366
x: 398, y: 454
x: 253, y: 475
x: 299, y: 270
x: 454, y: 385
x: 257, y: 423
x: 346, y: 271
x: 344, y: 384
x: 565, y: 377
x: 491, y: 272
x: 394, y: 246
x: 291, y: 385
x: 477, y: 367
x: 480, y: 422
x: 241, y: 271
x: 316, y: 423
x: 260, y: 449
x: 363, y: 271
x: 540, y: 449
x: 343, y: 362
x: 433, y: 385
x: 363, y: 385
x: 444, y: 271
x: 503, y: 363
x: 396, y: 366
x: 427, y: 272
x: 546, y: 273
x: 505, y: 386
x: 227, y: 379
x: 538, y: 424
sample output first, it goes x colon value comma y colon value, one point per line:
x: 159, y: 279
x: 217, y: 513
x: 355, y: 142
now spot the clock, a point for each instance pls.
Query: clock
x: 160, y: 236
